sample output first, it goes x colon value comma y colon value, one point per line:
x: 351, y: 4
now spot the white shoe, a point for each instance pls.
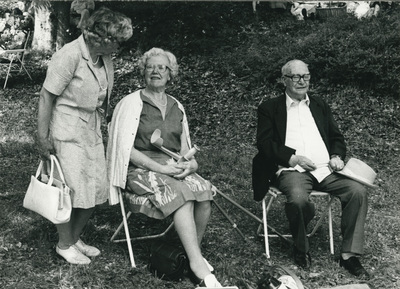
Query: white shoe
x: 89, y: 251
x: 73, y: 255
x: 211, y: 282
x: 211, y: 268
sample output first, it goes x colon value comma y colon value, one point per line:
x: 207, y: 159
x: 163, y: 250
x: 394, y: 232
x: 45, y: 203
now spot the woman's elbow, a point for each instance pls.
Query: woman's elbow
x: 46, y: 97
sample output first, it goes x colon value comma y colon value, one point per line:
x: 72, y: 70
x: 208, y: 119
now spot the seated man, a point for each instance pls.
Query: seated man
x: 300, y: 144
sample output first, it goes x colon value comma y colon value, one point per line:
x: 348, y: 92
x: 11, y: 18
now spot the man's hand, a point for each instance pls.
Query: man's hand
x: 336, y: 164
x: 303, y: 162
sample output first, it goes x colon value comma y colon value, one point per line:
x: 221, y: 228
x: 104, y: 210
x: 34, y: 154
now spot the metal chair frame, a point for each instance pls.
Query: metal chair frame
x: 269, y: 198
x: 16, y: 57
x: 128, y: 238
x: 267, y: 201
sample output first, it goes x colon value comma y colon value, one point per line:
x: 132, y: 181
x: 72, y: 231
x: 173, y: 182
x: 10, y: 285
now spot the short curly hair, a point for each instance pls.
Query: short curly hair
x: 173, y: 64
x: 105, y: 26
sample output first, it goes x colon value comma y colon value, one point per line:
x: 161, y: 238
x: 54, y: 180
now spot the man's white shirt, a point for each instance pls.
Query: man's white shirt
x: 302, y: 135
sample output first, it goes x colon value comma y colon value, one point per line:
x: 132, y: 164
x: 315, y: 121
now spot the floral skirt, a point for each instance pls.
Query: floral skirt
x: 157, y: 195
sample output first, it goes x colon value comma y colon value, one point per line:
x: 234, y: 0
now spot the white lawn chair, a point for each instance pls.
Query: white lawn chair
x: 128, y: 239
x: 13, y: 59
x: 267, y: 201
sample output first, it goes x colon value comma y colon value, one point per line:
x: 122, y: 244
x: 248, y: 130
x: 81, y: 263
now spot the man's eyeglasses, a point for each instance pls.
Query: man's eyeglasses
x: 296, y: 77
x: 160, y: 67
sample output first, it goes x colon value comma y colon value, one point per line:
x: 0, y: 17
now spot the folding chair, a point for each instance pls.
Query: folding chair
x: 269, y: 198
x: 128, y: 239
x: 14, y: 59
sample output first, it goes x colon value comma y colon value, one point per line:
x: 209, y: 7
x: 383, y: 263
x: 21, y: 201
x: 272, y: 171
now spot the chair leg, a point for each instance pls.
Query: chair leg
x: 23, y: 66
x: 128, y: 238
x: 331, y: 227
x: 266, y: 208
x: 265, y: 228
x: 8, y: 73
x: 155, y: 236
x: 119, y: 229
x: 264, y: 225
x: 229, y: 219
x: 328, y: 212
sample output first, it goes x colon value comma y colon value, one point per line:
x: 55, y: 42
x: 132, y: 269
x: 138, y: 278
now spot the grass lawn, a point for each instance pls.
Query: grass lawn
x: 222, y: 118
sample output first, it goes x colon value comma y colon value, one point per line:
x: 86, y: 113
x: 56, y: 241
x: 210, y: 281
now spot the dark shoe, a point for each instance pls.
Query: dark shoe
x: 354, y: 266
x: 301, y: 259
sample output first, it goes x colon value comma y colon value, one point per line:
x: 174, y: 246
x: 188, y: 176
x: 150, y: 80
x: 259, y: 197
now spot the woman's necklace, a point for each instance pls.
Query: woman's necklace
x: 97, y: 60
x: 90, y: 56
x: 91, y: 59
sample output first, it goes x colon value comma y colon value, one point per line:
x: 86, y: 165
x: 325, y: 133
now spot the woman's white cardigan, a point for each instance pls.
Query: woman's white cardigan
x: 122, y: 133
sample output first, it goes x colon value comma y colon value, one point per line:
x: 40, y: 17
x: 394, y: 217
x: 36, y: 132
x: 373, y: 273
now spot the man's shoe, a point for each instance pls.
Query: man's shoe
x: 354, y: 266
x: 89, y: 251
x: 302, y: 259
x: 73, y: 255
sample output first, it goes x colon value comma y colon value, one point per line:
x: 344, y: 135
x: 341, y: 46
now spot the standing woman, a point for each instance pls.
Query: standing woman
x: 74, y: 96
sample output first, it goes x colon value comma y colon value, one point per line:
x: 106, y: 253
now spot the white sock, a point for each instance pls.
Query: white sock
x: 347, y: 256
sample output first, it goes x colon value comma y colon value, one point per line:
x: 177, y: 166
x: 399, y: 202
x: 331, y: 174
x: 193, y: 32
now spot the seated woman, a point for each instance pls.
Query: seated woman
x: 159, y: 186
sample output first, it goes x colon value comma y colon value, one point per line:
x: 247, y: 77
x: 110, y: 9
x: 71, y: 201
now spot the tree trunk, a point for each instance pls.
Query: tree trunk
x: 61, y: 10
x: 42, y: 38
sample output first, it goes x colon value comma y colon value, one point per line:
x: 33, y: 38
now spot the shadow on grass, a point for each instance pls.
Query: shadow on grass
x: 19, y: 162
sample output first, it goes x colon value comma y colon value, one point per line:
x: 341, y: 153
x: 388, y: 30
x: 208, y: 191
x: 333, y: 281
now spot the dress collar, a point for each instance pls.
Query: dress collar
x: 83, y: 47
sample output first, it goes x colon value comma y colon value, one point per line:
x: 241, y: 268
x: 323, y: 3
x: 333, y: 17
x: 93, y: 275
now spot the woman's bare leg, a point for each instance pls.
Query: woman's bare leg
x: 186, y: 228
x: 70, y: 232
x: 80, y: 219
x: 202, y: 212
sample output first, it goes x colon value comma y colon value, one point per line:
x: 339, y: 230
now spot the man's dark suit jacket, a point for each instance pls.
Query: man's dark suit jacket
x: 271, y: 135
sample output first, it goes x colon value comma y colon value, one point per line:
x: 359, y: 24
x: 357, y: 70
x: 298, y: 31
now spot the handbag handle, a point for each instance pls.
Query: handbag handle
x: 40, y: 169
x: 54, y: 160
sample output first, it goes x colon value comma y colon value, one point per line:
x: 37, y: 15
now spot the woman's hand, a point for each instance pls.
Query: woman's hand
x: 172, y: 169
x: 45, y: 148
x: 189, y: 168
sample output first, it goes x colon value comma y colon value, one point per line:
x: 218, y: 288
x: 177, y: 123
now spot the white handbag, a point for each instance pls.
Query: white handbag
x: 48, y: 196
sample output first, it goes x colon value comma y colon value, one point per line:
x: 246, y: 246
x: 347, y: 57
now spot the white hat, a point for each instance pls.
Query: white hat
x: 359, y: 171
